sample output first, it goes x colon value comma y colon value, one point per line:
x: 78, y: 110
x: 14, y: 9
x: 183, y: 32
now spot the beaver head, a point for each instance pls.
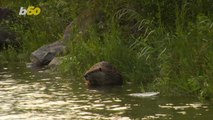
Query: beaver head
x: 103, y: 73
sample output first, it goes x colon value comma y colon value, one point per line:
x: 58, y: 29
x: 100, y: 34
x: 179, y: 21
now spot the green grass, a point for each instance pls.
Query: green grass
x: 157, y: 45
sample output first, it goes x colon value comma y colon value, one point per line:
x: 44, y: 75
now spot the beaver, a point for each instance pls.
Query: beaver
x: 103, y: 73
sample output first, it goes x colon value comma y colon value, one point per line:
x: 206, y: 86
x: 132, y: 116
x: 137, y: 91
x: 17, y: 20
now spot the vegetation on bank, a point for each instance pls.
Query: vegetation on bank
x: 159, y: 45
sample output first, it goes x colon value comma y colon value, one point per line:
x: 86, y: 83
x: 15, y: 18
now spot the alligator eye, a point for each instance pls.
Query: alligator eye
x: 100, y: 69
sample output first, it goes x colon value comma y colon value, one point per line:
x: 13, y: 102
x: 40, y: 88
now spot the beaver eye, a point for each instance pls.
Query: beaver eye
x: 100, y: 69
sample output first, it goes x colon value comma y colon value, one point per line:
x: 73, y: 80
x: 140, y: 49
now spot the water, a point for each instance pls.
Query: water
x: 39, y: 95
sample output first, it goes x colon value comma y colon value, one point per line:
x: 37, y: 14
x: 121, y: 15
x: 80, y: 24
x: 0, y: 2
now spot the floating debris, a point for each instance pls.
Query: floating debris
x: 145, y: 94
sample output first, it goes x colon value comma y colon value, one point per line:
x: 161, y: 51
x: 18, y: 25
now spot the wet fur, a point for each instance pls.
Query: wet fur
x: 103, y: 73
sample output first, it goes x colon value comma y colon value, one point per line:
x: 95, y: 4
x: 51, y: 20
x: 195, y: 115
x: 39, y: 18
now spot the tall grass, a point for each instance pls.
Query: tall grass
x: 34, y: 31
x: 161, y: 45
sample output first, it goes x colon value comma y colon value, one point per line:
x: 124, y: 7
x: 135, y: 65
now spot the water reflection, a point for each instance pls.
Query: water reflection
x: 26, y: 94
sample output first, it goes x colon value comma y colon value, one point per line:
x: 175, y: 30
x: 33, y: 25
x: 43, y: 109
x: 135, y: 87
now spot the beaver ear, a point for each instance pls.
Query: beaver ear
x: 100, y: 69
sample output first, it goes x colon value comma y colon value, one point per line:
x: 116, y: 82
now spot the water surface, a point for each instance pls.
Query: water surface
x: 40, y: 95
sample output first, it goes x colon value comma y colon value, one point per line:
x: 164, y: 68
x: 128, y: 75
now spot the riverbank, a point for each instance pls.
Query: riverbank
x: 158, y: 46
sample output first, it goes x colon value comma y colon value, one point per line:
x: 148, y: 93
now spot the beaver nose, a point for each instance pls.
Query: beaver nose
x: 85, y: 76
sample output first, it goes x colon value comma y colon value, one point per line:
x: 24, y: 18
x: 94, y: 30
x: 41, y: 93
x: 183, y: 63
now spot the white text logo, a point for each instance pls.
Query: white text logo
x: 31, y: 10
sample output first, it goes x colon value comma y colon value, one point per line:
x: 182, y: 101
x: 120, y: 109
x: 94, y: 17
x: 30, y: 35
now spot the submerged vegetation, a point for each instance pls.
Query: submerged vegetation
x: 159, y: 45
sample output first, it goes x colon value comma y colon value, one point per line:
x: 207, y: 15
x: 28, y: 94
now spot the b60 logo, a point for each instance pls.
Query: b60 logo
x: 31, y: 10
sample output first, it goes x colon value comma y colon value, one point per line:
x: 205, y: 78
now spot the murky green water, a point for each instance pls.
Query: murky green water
x: 38, y: 95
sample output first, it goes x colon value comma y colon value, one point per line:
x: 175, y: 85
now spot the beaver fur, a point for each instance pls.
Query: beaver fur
x: 103, y: 73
